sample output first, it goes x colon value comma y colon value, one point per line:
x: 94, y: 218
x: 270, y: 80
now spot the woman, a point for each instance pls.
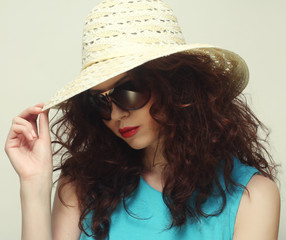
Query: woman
x: 156, y: 141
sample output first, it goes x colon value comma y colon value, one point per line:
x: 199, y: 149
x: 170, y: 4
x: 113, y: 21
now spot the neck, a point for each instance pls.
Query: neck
x: 154, y: 161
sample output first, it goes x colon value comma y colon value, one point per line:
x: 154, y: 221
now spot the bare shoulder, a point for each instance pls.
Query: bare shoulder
x: 65, y: 216
x: 259, y: 211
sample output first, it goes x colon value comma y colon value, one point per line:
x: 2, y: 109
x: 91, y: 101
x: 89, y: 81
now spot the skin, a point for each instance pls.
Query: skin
x: 147, y: 136
x: 29, y: 150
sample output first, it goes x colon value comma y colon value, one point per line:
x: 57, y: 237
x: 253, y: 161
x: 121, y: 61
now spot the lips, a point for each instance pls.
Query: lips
x: 128, y: 131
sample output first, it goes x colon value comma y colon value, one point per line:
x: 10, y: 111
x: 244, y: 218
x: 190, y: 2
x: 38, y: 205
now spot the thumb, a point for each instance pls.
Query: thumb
x: 44, y: 130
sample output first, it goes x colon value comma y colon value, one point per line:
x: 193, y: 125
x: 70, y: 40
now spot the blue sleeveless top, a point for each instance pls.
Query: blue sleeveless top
x: 151, y: 216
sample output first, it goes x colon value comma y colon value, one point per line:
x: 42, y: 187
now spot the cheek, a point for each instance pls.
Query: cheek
x: 108, y: 124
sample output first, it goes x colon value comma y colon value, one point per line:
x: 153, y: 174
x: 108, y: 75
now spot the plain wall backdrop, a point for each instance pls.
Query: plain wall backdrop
x: 40, y: 51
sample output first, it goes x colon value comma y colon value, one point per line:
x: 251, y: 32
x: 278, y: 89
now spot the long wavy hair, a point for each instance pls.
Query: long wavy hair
x: 203, y: 124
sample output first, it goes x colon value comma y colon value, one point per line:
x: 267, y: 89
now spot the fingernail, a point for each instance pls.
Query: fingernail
x: 31, y: 136
x: 34, y: 135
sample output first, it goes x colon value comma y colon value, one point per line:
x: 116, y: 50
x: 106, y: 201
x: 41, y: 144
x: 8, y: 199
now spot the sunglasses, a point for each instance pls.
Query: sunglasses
x: 130, y: 95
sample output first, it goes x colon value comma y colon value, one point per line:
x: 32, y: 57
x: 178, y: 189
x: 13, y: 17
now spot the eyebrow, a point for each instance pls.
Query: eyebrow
x: 119, y: 82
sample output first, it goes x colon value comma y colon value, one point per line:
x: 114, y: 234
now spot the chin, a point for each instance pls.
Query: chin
x: 137, y: 144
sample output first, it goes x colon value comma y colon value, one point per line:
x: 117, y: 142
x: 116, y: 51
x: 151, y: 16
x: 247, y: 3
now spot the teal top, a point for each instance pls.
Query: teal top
x: 152, y: 216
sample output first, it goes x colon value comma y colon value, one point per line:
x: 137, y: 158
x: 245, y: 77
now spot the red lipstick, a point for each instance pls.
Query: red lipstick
x: 128, y: 131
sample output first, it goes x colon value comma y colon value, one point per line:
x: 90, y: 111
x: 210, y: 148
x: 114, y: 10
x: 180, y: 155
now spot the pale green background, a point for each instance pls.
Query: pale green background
x: 40, y: 51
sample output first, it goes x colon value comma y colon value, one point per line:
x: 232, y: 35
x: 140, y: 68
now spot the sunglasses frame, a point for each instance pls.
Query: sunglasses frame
x: 108, y: 98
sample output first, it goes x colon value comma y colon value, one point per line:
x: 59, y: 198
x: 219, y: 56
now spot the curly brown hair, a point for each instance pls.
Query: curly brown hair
x: 203, y: 124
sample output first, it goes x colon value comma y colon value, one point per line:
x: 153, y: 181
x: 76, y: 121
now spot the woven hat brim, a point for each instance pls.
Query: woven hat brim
x: 102, y: 70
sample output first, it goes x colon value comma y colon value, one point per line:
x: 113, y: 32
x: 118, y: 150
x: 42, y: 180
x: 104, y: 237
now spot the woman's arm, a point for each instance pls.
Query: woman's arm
x: 65, y: 217
x: 259, y: 211
x: 28, y: 147
x: 29, y: 150
x: 36, y: 211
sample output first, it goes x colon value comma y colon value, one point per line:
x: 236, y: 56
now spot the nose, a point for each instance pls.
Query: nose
x: 118, y: 113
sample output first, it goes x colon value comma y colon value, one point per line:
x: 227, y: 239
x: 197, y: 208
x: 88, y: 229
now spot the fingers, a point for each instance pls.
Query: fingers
x: 31, y: 113
x: 26, y: 124
x: 21, y: 130
x: 18, y: 136
x: 44, y: 130
x: 24, y: 130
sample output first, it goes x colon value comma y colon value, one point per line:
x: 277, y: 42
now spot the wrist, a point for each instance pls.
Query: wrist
x: 37, y: 187
x: 37, y: 179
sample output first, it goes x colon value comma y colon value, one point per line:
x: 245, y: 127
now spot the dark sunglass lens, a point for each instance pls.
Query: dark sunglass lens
x: 101, y: 105
x: 130, y: 100
x: 130, y: 95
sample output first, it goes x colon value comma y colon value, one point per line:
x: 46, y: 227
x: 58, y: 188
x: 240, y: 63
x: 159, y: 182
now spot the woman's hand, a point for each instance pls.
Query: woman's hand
x: 29, y: 146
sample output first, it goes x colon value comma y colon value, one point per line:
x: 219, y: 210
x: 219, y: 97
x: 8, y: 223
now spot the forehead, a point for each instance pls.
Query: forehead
x: 111, y: 83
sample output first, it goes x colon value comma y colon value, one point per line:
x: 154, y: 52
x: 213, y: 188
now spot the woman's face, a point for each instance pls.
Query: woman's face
x: 136, y: 127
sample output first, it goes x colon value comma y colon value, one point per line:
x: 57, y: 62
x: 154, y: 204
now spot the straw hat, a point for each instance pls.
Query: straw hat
x: 120, y: 35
